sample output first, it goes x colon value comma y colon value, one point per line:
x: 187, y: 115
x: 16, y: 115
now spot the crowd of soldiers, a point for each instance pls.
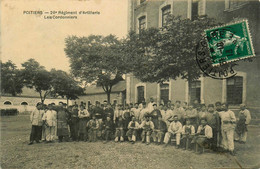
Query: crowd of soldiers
x: 191, y: 126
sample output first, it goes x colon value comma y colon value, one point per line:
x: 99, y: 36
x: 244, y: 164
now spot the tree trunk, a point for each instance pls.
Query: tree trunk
x: 108, y: 97
x: 189, y: 92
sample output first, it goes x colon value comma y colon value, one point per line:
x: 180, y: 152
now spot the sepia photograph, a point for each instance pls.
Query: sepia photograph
x: 125, y: 84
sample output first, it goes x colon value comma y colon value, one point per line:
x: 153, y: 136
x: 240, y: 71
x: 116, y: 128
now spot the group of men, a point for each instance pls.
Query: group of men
x: 212, y: 126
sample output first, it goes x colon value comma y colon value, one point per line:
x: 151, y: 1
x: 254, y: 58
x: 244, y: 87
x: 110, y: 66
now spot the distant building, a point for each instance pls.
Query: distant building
x: 94, y: 94
x: 243, y: 88
x: 26, y: 101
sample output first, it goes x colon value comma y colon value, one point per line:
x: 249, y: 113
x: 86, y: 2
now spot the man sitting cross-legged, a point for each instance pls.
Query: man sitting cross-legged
x: 132, y: 130
x: 174, y: 129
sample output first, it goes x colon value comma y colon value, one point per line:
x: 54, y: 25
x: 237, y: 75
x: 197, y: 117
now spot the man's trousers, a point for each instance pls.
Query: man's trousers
x: 50, y: 133
x: 36, y: 133
x: 168, y: 136
x: 228, y: 139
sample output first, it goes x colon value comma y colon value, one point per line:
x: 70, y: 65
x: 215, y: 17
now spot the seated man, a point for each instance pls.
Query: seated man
x: 93, y: 125
x: 188, y: 132
x: 107, y: 128
x: 174, y: 129
x: 132, y: 130
x: 147, y: 127
x: 119, y: 130
x: 203, y: 135
x: 159, y: 129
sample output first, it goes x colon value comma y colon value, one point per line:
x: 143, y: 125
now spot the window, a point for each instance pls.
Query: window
x: 166, y: 11
x: 140, y: 94
x: 89, y: 103
x: 195, y: 91
x: 234, y: 90
x: 24, y: 103
x: 97, y: 102
x: 7, y: 103
x: 142, y: 23
x: 164, y: 90
x: 115, y: 102
x: 194, y: 10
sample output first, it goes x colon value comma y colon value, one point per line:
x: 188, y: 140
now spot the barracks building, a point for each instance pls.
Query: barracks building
x: 243, y: 88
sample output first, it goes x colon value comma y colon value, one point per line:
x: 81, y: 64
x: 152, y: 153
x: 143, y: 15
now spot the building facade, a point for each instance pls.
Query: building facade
x: 243, y: 88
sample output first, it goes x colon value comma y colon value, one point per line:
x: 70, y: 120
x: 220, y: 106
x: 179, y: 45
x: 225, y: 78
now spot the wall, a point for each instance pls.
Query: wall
x: 16, y: 102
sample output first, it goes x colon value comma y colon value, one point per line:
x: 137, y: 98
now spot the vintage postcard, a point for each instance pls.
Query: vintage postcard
x: 130, y: 84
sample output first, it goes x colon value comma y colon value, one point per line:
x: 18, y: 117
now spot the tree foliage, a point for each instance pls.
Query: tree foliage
x: 64, y: 85
x: 96, y: 59
x: 11, y: 79
x: 158, y: 55
x: 35, y: 76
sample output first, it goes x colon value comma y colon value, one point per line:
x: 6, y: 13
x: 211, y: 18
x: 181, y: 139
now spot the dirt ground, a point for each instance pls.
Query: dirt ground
x: 15, y: 153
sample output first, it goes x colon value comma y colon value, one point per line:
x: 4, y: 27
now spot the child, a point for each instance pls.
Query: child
x: 160, y: 128
x: 108, y: 128
x: 93, y: 125
x: 83, y: 115
x: 119, y: 130
x: 203, y: 135
x: 147, y: 127
x: 188, y: 132
x: 132, y: 130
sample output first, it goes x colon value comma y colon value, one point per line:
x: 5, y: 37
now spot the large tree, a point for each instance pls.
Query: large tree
x: 64, y: 85
x: 11, y: 79
x: 36, y: 77
x: 96, y: 59
x: 167, y: 53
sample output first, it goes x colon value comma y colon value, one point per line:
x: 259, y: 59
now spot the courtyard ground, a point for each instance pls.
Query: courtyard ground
x: 15, y: 153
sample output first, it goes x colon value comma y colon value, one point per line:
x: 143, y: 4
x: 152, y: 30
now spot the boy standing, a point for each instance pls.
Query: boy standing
x: 108, y: 128
x: 50, y: 118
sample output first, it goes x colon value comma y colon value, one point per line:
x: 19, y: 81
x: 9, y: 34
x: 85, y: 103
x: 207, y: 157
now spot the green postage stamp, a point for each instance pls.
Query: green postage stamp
x: 229, y: 43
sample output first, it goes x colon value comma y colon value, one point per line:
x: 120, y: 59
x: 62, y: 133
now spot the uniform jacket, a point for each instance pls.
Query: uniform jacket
x: 188, y: 129
x: 175, y: 127
x: 228, y: 120
x: 50, y: 117
x: 36, y: 117
x: 206, y: 131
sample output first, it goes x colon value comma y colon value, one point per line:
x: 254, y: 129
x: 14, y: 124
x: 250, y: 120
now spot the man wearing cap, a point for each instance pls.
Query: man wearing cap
x: 243, y: 120
x: 174, y: 129
x: 147, y: 127
x: 228, y: 121
x: 50, y: 118
x: 36, y: 120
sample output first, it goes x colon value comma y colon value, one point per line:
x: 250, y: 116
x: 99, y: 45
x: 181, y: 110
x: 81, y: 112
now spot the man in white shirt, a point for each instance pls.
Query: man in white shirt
x: 135, y: 111
x: 150, y: 105
x: 174, y: 129
x: 36, y: 120
x: 228, y: 121
x: 49, y: 119
x: 143, y: 112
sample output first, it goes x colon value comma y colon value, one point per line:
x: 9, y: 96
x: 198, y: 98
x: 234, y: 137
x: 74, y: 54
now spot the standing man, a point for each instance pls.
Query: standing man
x: 50, y: 118
x: 62, y: 122
x: 83, y: 115
x: 243, y: 120
x: 175, y: 128
x: 36, y: 120
x: 228, y: 121
x: 74, y: 123
x: 150, y: 105
x: 212, y: 118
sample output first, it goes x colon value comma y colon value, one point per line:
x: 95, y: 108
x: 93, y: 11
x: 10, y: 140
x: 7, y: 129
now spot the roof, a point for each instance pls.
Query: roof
x: 119, y: 87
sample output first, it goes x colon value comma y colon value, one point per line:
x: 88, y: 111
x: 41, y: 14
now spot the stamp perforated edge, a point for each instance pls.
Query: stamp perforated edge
x: 249, y: 38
